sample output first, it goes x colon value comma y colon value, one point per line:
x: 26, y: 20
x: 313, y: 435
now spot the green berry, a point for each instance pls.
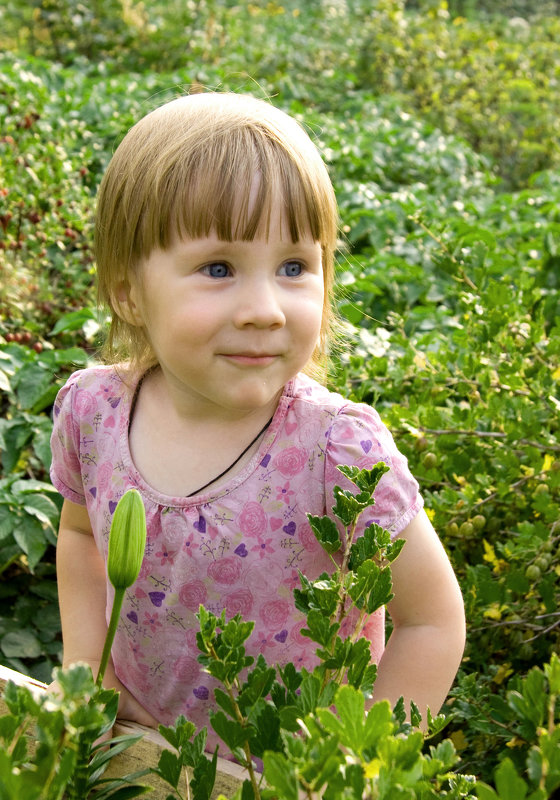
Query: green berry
x: 543, y: 563
x: 452, y: 529
x: 533, y: 572
x: 479, y: 521
x: 430, y: 460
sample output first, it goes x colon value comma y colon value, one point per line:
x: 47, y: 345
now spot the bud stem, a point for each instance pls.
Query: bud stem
x: 111, y: 631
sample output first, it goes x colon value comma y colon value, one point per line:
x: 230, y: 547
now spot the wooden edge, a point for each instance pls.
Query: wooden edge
x: 142, y: 754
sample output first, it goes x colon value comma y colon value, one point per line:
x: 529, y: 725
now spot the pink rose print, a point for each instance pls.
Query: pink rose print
x: 192, y: 594
x: 252, y: 519
x: 105, y: 475
x: 71, y: 461
x: 290, y: 461
x: 84, y: 403
x: 173, y: 528
x: 186, y: 669
x: 275, y: 613
x: 225, y: 570
x: 388, y: 500
x: 308, y: 538
x: 297, y: 637
x: 260, y: 580
x: 239, y: 602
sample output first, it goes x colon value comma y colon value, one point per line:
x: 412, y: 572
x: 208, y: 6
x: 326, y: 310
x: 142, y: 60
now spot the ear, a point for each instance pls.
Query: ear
x: 127, y: 303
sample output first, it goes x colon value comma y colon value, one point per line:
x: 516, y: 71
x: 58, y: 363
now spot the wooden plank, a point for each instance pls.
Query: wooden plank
x: 142, y: 754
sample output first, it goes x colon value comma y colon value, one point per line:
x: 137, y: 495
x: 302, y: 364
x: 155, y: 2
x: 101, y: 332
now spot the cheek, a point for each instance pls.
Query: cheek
x: 310, y: 324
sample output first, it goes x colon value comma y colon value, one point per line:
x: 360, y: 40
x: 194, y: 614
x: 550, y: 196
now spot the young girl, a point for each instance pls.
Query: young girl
x: 216, y: 230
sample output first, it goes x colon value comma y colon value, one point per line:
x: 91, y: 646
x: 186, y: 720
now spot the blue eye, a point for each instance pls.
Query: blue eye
x: 217, y: 270
x: 292, y: 269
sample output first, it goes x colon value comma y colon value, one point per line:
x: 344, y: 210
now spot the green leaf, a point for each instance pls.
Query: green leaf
x: 291, y: 678
x: 366, y: 547
x: 30, y: 536
x: 309, y: 694
x: 7, y: 520
x: 379, y: 723
x: 265, y: 719
x: 73, y: 321
x: 120, y: 789
x: 552, y: 672
x: 35, y: 387
x: 4, y: 382
x: 347, y: 507
x: 326, y: 533
x: 280, y: 775
x: 76, y: 681
x: 508, y: 783
x: 236, y: 632
x: 16, y: 435
x: 350, y: 707
x: 224, y: 701
x: 169, y: 768
x: 43, y: 508
x: 365, y: 479
x: 360, y: 659
x: 230, y: 731
x: 204, y: 777
x: 21, y: 644
x: 319, y: 628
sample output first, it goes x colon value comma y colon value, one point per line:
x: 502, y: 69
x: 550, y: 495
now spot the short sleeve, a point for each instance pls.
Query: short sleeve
x: 65, y: 470
x: 359, y: 437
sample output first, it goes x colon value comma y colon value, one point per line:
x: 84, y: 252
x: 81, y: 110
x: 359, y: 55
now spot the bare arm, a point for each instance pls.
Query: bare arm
x: 426, y: 646
x: 82, y: 597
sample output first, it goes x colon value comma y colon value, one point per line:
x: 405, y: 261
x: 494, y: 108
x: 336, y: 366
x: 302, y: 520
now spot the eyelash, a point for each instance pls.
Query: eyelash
x: 207, y: 269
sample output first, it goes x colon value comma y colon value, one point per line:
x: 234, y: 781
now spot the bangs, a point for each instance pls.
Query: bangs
x: 233, y: 185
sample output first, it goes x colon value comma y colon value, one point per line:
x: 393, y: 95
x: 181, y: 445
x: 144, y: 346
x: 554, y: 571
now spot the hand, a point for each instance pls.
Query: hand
x: 129, y: 707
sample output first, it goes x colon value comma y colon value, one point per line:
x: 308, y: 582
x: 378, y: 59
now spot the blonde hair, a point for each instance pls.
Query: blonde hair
x: 187, y: 169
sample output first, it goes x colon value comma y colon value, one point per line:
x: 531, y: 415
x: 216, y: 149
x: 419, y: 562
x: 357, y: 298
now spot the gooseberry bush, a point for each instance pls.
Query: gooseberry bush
x: 278, y: 714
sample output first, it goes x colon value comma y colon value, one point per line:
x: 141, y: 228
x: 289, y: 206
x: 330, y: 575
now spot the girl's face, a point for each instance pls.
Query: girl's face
x: 231, y: 322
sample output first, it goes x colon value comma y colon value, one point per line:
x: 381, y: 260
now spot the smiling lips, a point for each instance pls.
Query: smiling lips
x: 251, y: 359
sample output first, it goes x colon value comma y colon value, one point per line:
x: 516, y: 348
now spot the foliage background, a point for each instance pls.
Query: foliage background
x: 440, y: 125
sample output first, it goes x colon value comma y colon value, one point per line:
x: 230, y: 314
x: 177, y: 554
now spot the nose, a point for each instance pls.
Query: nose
x: 258, y: 303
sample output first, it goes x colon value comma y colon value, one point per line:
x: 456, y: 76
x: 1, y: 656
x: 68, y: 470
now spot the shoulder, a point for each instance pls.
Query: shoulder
x: 353, y: 434
x: 86, y: 387
x: 310, y: 397
x: 304, y: 389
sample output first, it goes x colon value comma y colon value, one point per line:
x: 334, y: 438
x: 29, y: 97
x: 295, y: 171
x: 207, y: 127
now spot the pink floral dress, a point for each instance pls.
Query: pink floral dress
x: 238, y: 546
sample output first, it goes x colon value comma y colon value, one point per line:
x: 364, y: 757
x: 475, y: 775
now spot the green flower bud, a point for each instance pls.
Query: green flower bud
x: 127, y: 540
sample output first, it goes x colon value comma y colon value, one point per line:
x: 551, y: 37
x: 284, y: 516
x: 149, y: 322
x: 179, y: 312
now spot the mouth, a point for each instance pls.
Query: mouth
x: 251, y: 359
